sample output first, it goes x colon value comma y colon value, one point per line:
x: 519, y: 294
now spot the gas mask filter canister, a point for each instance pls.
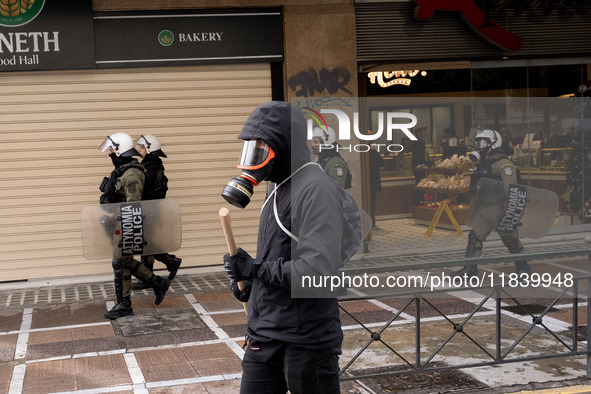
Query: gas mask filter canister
x: 256, y: 163
x: 483, y: 146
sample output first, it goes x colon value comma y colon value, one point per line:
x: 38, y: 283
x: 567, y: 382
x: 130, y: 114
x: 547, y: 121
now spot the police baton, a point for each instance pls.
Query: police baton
x: 227, y: 226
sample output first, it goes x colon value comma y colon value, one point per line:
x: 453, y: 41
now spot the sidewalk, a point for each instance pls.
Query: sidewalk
x: 54, y: 338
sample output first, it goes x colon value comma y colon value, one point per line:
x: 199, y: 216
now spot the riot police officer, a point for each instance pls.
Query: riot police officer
x: 325, y: 146
x: 155, y: 187
x: 491, y: 162
x: 126, y: 183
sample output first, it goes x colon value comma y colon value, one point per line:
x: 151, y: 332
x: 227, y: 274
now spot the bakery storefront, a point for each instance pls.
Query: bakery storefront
x: 521, y: 69
x: 70, y: 76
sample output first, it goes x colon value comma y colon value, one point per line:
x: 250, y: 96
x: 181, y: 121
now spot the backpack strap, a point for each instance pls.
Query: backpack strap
x: 285, y: 230
x: 274, y: 194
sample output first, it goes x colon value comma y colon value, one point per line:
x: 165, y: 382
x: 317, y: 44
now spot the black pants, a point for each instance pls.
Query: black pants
x: 373, y: 198
x: 302, y: 371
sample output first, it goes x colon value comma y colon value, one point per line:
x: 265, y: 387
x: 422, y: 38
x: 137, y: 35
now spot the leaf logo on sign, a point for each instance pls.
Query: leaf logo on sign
x: 166, y: 38
x: 19, y: 12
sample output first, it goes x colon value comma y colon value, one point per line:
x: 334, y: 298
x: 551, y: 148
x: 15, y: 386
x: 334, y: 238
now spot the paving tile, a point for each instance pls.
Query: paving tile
x: 235, y: 331
x: 7, y: 347
x: 182, y: 389
x: 447, y: 306
x: 217, y: 366
x: 566, y: 315
x: 172, y: 301
x: 218, y: 301
x: 102, y: 331
x: 146, y: 302
x: 45, y: 344
x: 180, y: 336
x: 209, y: 296
x: 50, y: 376
x: 47, y: 350
x: 94, y: 345
x: 359, y: 306
x: 53, y: 336
x: 65, y: 315
x: 206, y: 352
x: 11, y: 319
x: 165, y: 364
x: 168, y: 321
x: 101, y: 371
x: 228, y: 319
x: 83, y: 313
x: 160, y: 356
x: 213, y: 359
x: 6, y: 371
x: 4, y: 387
x: 367, y: 317
x: 5, y: 376
x: 223, y: 386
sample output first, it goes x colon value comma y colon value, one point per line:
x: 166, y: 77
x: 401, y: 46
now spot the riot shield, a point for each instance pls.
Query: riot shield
x: 529, y: 210
x: 131, y: 228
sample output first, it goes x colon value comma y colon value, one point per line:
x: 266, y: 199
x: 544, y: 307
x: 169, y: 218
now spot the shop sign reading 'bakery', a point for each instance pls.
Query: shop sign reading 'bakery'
x: 137, y: 39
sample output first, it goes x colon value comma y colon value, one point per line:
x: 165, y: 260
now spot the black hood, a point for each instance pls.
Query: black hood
x: 283, y: 127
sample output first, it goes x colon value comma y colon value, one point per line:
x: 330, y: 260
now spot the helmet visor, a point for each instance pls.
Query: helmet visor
x: 108, y: 143
x: 142, y: 141
x: 482, y: 143
x: 255, y: 154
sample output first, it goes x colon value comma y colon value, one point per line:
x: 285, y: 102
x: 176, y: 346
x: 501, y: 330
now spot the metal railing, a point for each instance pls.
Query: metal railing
x: 570, y: 347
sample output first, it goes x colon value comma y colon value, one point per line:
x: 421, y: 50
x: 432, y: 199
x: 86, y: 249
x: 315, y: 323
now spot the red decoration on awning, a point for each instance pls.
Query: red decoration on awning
x: 474, y: 17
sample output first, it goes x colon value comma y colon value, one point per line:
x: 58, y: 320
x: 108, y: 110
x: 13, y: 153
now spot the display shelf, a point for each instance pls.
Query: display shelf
x: 442, y: 190
x: 437, y: 170
x: 424, y: 215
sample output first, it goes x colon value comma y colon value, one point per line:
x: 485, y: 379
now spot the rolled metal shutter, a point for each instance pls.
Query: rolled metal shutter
x: 387, y: 32
x: 51, y: 124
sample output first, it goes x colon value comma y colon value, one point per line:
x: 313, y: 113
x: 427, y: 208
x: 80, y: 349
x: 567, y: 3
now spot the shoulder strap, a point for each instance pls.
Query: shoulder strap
x: 274, y: 194
x: 285, y: 230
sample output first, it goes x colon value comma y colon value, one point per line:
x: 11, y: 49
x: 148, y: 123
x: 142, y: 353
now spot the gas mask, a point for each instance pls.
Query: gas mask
x: 483, y: 146
x: 256, y: 162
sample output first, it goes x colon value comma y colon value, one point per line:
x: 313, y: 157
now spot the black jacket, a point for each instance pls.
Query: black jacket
x: 156, y: 182
x: 308, y: 206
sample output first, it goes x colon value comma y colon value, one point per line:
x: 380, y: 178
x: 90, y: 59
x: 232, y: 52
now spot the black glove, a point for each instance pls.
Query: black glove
x: 240, y: 266
x: 241, y: 295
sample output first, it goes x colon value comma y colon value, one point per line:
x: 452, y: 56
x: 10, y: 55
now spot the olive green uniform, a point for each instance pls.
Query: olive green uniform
x: 129, y: 187
x: 336, y: 168
x: 496, y: 166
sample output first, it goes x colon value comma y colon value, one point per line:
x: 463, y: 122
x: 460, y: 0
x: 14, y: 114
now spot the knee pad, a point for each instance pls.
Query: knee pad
x: 117, y: 266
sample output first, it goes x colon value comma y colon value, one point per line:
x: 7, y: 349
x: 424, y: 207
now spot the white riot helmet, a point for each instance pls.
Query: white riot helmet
x: 328, y: 137
x: 152, y: 144
x: 121, y: 144
x: 484, y: 142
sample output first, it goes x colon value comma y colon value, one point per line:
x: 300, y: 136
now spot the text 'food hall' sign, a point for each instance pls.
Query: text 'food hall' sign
x: 46, y: 34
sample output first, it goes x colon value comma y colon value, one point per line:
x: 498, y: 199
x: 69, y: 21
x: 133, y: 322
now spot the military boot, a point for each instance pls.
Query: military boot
x: 160, y: 286
x: 469, y: 270
x: 120, y: 309
x: 140, y: 284
x: 172, y: 263
x: 123, y: 305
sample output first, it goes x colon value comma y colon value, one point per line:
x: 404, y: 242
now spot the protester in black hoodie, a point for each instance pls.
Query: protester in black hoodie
x: 292, y: 343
